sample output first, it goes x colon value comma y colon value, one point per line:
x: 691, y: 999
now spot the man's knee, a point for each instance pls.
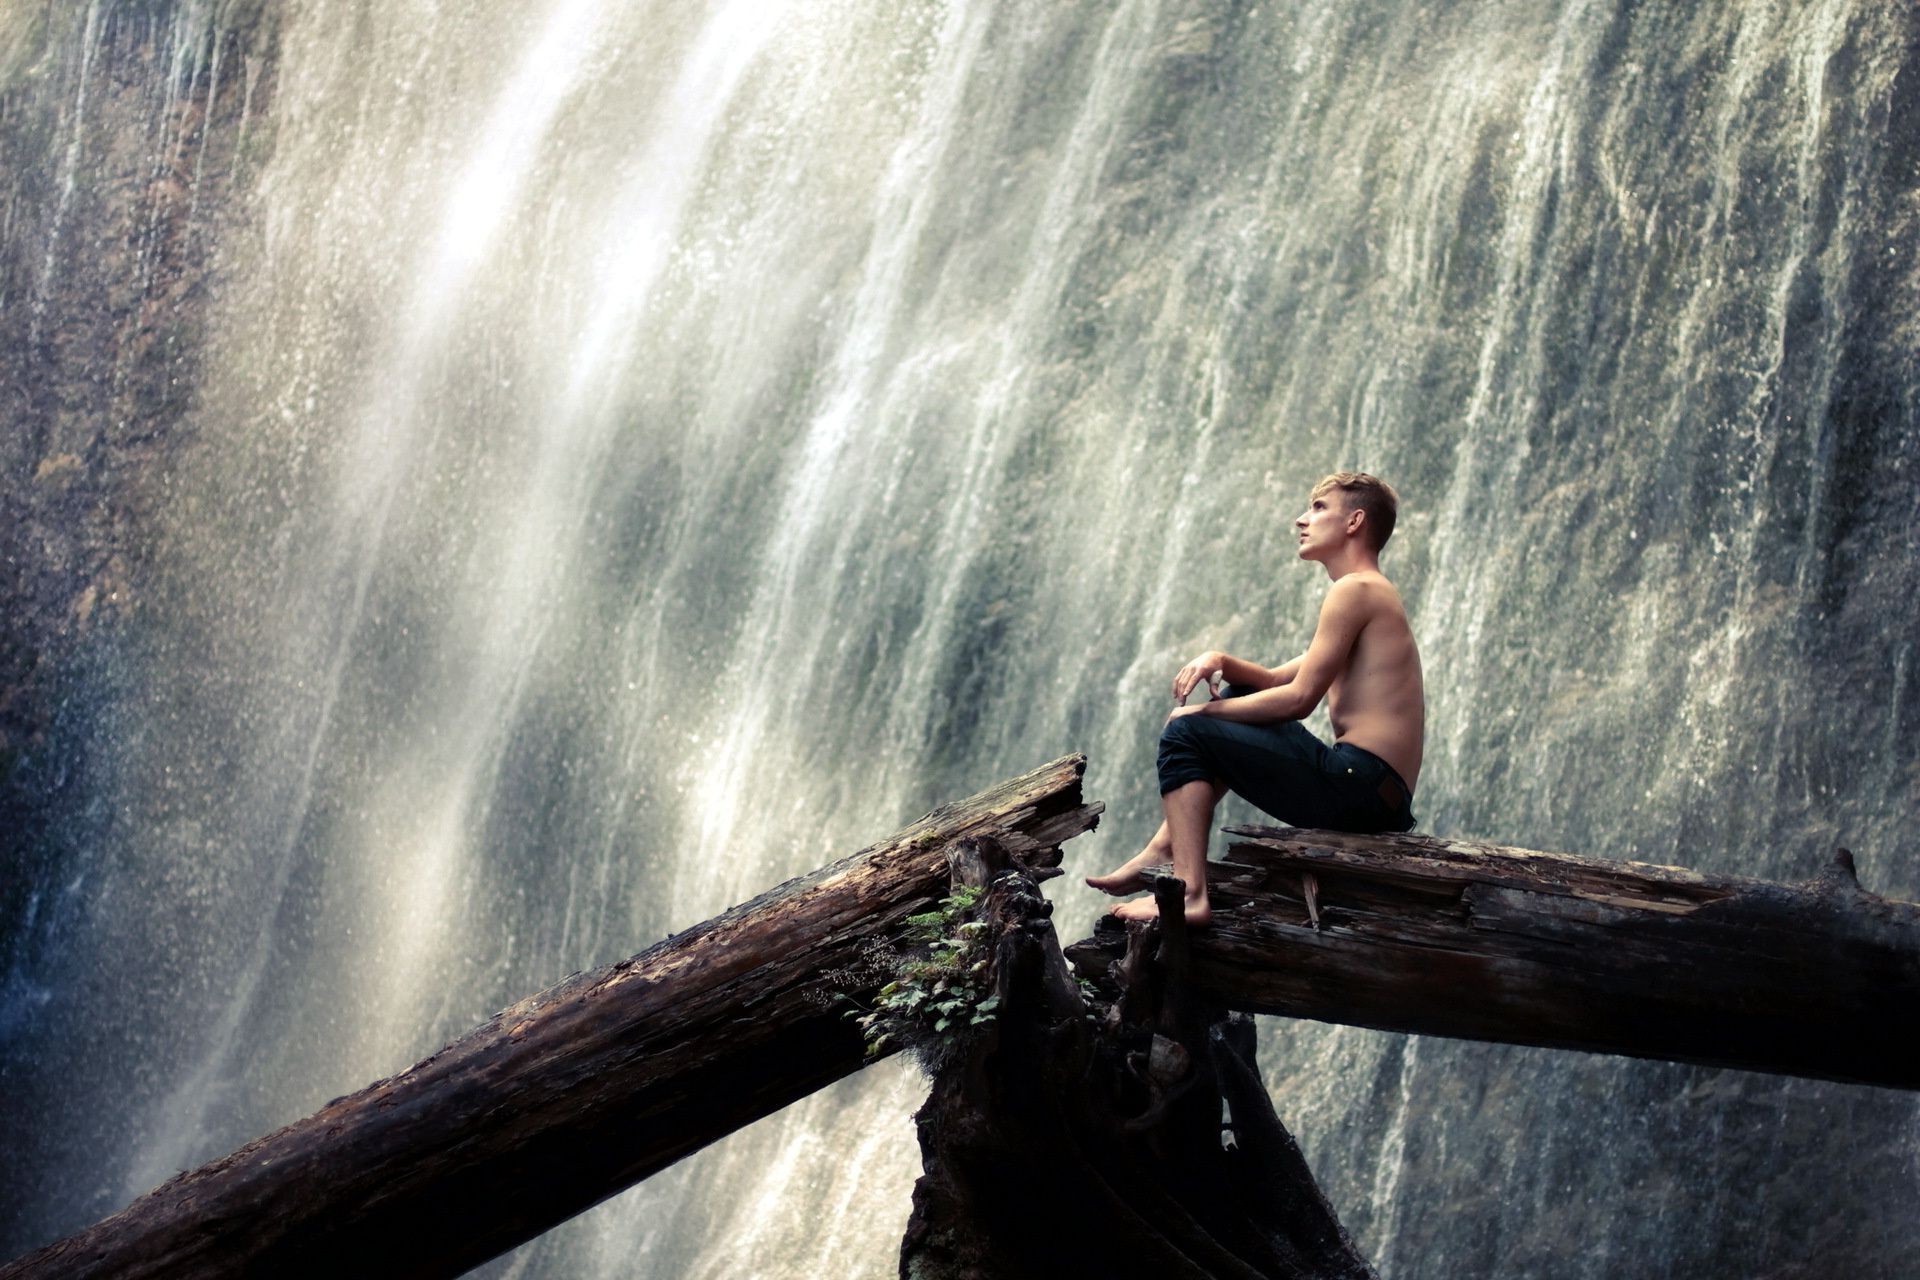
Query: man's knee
x: 1179, y: 732
x: 1182, y: 758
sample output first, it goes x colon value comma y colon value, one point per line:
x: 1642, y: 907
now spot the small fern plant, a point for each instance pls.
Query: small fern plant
x: 941, y: 989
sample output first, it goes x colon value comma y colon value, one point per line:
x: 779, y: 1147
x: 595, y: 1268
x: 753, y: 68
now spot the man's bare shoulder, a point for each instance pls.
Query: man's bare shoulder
x: 1368, y: 591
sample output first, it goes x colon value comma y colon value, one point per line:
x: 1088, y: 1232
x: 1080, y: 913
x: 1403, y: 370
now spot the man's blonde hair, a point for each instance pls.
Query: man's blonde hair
x: 1365, y: 493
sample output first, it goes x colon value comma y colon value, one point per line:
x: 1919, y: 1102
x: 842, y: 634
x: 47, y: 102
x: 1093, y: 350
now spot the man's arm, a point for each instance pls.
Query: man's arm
x: 1285, y: 674
x: 1248, y: 675
x: 1343, y: 614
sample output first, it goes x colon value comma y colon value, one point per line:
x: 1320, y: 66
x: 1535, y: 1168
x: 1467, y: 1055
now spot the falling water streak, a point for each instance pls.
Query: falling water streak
x: 648, y: 213
x: 478, y: 204
x: 205, y: 129
x: 1068, y: 205
x: 412, y: 906
x: 252, y: 68
x: 530, y: 556
x: 905, y: 204
x: 69, y: 173
x: 1391, y: 1165
x: 1821, y: 50
x: 1536, y: 172
x: 1896, y: 699
x: 1719, y: 676
x: 576, y: 432
x: 829, y: 463
x: 180, y: 1121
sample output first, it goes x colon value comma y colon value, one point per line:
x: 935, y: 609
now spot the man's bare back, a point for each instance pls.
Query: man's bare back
x: 1362, y: 660
x: 1379, y: 702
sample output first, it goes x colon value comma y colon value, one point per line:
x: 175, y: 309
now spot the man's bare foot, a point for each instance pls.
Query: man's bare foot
x: 1198, y: 910
x: 1128, y: 879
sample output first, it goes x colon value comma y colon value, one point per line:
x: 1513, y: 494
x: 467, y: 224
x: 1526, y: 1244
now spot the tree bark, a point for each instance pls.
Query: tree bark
x: 1079, y: 1137
x: 578, y: 1092
x: 1455, y: 938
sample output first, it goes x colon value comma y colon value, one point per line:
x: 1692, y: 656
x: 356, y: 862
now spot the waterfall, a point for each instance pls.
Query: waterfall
x: 641, y: 452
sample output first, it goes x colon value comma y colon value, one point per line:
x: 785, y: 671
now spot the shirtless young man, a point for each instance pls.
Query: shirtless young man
x: 1250, y: 741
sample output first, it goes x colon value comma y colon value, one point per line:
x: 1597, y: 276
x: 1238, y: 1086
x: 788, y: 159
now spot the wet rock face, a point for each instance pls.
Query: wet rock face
x: 127, y: 138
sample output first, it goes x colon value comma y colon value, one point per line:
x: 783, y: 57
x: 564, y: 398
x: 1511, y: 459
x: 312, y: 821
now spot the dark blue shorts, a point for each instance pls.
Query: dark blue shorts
x: 1286, y: 772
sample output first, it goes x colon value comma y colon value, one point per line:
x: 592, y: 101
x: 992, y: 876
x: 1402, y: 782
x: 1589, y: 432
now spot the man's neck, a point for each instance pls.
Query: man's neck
x: 1352, y: 558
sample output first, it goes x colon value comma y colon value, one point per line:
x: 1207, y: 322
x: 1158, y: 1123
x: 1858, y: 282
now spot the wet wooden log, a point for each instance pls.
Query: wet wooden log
x: 1126, y: 1134
x: 578, y: 1092
x: 1457, y: 938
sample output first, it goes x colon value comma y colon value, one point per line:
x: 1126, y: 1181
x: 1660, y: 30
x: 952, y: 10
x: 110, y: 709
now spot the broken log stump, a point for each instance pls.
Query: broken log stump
x: 1082, y: 1133
x: 578, y: 1092
x: 1459, y: 938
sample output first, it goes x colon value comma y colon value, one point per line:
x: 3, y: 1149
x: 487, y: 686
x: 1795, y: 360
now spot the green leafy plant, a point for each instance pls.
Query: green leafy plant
x: 940, y: 990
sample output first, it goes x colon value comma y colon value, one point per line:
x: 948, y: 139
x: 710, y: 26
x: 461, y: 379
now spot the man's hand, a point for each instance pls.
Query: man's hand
x: 1205, y: 667
x: 1198, y: 708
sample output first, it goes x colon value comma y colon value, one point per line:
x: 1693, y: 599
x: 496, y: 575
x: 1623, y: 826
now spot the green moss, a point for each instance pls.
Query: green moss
x: 941, y: 990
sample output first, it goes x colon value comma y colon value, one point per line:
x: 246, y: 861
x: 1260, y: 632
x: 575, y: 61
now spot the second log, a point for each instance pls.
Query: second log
x: 1481, y: 942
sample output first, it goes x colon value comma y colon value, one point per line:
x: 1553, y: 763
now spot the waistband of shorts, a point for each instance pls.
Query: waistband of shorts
x: 1387, y: 771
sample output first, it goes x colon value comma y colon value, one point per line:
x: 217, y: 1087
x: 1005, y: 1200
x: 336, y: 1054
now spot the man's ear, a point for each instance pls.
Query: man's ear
x: 1356, y: 520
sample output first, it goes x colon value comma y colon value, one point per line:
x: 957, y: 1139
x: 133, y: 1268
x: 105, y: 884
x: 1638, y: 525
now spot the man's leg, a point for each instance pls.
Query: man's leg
x: 1159, y: 852
x: 1189, y: 823
x: 1182, y: 762
x: 1281, y: 768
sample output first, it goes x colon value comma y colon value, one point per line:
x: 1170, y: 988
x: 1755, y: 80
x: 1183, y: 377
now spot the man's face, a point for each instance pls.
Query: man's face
x: 1322, y: 527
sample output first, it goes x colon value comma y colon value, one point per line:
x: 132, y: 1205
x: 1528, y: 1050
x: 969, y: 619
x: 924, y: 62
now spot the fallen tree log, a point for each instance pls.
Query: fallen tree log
x: 1456, y: 938
x: 575, y: 1093
x: 1124, y: 1134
